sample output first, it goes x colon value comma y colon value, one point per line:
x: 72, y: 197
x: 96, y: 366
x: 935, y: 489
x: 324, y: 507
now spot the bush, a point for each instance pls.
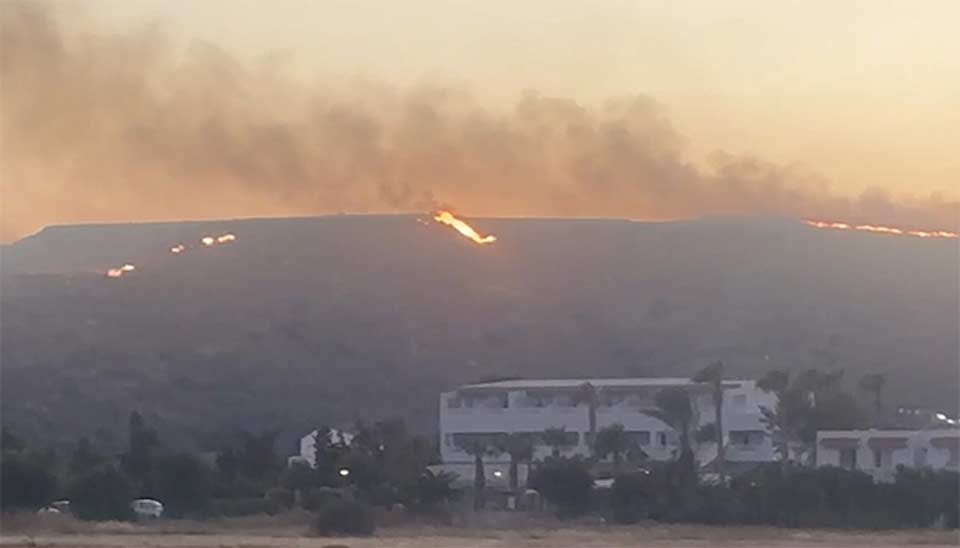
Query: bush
x: 430, y: 493
x: 793, y: 496
x: 565, y: 483
x: 184, y: 484
x: 104, y: 493
x: 280, y: 497
x: 630, y: 498
x: 318, y: 497
x: 344, y: 517
x: 25, y: 481
x: 248, y: 506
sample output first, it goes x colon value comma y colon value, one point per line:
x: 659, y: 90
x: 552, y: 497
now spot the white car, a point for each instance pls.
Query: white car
x: 147, y: 508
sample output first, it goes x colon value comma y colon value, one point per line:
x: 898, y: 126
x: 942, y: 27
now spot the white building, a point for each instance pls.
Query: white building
x: 879, y: 452
x: 489, y: 410
x: 308, y: 446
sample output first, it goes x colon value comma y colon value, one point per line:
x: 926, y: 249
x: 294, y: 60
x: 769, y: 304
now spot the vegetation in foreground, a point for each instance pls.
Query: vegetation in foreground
x: 384, y: 467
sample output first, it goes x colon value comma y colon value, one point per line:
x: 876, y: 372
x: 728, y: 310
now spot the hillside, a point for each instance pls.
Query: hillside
x: 323, y: 320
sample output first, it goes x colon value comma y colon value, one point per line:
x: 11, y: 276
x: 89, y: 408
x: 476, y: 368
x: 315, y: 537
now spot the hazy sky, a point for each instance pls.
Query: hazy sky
x: 859, y: 95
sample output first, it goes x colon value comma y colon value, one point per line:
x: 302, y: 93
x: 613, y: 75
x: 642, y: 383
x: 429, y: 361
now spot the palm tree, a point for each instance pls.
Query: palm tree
x: 803, y: 405
x: 779, y: 421
x: 674, y: 409
x: 712, y: 375
x: 874, y: 384
x: 587, y: 393
x: 555, y: 437
x: 478, y: 448
x: 613, y: 440
x: 520, y: 449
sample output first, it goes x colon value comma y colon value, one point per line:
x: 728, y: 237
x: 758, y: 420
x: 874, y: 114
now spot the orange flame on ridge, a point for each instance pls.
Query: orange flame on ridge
x: 119, y: 272
x: 449, y: 219
x: 883, y: 229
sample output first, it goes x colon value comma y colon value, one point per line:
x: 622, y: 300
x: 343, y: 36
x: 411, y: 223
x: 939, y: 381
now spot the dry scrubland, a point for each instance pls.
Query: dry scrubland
x: 492, y: 531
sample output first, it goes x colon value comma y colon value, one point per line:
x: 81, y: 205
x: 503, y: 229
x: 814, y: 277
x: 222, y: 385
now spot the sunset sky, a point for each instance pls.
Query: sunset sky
x: 848, y: 108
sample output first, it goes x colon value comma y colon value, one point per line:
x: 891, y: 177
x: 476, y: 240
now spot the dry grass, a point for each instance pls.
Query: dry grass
x: 482, y: 531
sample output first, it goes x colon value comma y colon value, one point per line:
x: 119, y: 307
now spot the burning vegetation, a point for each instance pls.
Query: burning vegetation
x: 178, y: 249
x: 119, y: 272
x: 882, y: 229
x: 461, y: 226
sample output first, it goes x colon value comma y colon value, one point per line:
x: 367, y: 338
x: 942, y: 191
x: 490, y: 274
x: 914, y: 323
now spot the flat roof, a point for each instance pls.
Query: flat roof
x: 599, y: 383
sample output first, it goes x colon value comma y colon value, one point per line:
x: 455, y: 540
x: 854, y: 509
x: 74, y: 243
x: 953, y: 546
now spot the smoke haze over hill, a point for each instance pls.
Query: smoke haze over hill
x: 104, y: 126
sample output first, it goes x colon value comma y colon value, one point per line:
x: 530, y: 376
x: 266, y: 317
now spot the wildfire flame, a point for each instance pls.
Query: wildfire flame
x: 119, y: 272
x: 447, y: 218
x: 211, y: 240
x: 207, y: 241
x: 883, y: 229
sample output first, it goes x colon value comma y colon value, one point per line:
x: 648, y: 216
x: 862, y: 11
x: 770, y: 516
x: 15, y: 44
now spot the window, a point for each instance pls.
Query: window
x: 877, y: 458
x: 465, y: 440
x: 848, y: 458
x: 570, y: 439
x: 745, y: 437
x: 662, y: 439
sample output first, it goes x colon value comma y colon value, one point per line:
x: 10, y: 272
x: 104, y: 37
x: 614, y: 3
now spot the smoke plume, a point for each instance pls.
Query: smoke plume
x: 118, y: 127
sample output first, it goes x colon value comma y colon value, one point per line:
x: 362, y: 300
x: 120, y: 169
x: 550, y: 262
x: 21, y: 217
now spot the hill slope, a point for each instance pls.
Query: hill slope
x: 303, y: 321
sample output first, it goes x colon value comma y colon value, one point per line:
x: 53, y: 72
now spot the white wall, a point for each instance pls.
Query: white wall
x: 918, y: 452
x: 739, y: 414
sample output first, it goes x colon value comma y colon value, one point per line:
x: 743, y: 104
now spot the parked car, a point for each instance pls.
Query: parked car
x: 56, y: 507
x: 147, y: 508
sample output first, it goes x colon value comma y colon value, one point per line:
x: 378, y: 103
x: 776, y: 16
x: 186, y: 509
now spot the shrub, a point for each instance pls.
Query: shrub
x: 430, y: 493
x: 318, y: 497
x: 565, y: 483
x: 104, y: 493
x: 25, y: 481
x: 630, y: 498
x: 344, y: 517
x: 184, y: 484
x: 248, y: 506
x: 280, y: 497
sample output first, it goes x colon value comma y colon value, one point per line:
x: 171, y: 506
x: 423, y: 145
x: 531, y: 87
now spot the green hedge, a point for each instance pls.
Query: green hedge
x: 793, y: 497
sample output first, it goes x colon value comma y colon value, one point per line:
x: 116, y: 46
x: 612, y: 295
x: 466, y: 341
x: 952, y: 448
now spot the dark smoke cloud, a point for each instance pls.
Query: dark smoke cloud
x: 118, y: 127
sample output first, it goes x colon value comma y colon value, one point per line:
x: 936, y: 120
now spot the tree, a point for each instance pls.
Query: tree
x: 257, y: 458
x: 712, y: 376
x: 103, y: 493
x: 566, y: 483
x: 26, y: 479
x: 183, y: 483
x: 430, y: 491
x: 329, y: 452
x: 228, y: 463
x: 811, y: 401
x: 138, y: 460
x: 782, y: 422
x: 587, y: 394
x: 520, y: 449
x: 613, y: 440
x: 555, y: 438
x: 874, y: 383
x: 84, y: 458
x: 478, y: 448
x: 673, y: 408
x: 9, y: 440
